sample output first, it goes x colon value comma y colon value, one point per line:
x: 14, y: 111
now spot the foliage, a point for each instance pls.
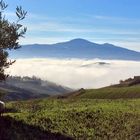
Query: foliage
x: 75, y: 118
x: 10, y: 32
x: 130, y: 81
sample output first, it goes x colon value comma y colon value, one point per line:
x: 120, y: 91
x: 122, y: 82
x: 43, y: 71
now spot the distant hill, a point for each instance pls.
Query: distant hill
x: 127, y: 89
x: 77, y: 48
x: 17, y: 88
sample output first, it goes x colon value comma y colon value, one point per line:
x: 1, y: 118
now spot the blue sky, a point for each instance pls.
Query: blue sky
x: 100, y: 21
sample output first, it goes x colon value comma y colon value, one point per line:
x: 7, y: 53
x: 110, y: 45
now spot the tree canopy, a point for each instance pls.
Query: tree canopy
x: 10, y: 33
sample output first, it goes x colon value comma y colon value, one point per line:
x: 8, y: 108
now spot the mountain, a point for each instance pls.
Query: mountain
x: 17, y: 88
x: 76, y: 48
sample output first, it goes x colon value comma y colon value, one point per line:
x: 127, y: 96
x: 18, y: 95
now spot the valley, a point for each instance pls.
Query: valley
x: 107, y: 113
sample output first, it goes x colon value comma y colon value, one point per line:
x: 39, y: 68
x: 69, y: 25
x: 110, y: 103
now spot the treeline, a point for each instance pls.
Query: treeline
x: 24, y: 78
x: 130, y: 81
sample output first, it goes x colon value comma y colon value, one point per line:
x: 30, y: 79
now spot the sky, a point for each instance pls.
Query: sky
x: 99, y: 21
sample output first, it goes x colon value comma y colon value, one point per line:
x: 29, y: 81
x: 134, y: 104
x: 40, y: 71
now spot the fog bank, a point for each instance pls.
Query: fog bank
x: 76, y: 73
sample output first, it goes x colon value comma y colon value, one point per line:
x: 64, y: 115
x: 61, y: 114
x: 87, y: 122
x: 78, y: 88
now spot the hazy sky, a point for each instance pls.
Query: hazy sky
x: 112, y: 21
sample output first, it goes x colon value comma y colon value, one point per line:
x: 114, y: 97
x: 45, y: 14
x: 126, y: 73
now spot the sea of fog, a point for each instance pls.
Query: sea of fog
x: 76, y: 73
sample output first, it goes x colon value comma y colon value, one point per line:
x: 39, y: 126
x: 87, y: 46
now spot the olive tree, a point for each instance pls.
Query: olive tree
x: 10, y: 33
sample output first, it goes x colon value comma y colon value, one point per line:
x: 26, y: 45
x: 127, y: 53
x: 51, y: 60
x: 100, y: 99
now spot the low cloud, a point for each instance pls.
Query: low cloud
x: 76, y: 73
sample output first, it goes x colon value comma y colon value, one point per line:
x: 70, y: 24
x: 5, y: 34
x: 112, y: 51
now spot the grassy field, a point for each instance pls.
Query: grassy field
x: 131, y: 92
x: 95, y: 119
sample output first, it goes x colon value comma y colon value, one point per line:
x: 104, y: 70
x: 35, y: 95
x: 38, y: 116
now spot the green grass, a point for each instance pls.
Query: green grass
x: 112, y: 93
x: 91, y: 114
x: 72, y: 118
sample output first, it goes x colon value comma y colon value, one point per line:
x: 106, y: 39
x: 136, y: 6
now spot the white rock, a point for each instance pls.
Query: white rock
x: 2, y: 107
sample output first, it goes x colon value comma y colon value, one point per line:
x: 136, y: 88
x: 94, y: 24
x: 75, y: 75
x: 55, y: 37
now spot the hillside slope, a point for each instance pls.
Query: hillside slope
x: 82, y: 119
x: 131, y: 92
x: 17, y: 88
x: 112, y: 93
x: 126, y: 89
x: 84, y: 114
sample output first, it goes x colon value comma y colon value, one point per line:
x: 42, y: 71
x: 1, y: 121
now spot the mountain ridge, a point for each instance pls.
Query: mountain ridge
x: 76, y: 48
